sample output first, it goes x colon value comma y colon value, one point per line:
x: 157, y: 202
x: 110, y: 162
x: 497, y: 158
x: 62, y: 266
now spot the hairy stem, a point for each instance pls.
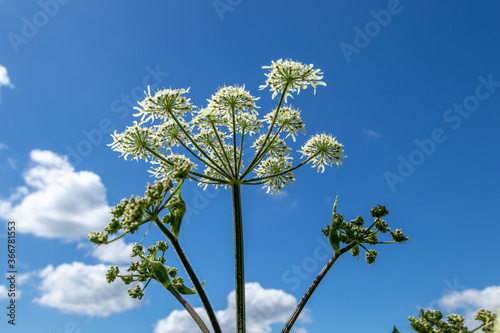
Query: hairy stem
x: 312, y: 288
x: 189, y: 309
x: 192, y: 275
x: 239, y: 259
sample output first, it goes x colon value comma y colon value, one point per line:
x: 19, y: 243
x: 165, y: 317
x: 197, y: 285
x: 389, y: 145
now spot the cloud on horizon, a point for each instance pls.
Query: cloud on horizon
x: 82, y: 289
x: 264, y: 307
x: 57, y: 201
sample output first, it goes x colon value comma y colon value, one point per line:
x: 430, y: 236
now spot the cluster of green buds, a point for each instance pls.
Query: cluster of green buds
x: 355, y: 235
x: 131, y: 213
x: 215, y: 134
x: 149, y: 267
x: 430, y: 321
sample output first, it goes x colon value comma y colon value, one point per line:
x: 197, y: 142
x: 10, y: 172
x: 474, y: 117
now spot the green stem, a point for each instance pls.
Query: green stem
x: 195, y: 144
x: 189, y: 309
x: 255, y: 160
x: 158, y: 156
x: 216, y: 166
x: 312, y: 288
x: 279, y: 173
x: 192, y: 275
x: 236, y: 173
x: 239, y: 161
x: 221, y: 147
x: 239, y: 259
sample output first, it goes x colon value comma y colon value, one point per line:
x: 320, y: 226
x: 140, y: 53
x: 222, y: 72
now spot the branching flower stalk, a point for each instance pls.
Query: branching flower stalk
x: 171, y: 127
x: 214, y: 136
x: 354, y: 235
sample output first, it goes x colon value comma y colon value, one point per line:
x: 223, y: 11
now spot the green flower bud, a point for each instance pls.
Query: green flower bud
x: 381, y: 226
x: 111, y: 274
x: 127, y: 279
x: 398, y: 236
x: 137, y: 250
x: 370, y: 256
x: 379, y: 211
x: 162, y: 246
x: 98, y: 237
x: 136, y: 292
x: 113, y: 226
x: 355, y: 251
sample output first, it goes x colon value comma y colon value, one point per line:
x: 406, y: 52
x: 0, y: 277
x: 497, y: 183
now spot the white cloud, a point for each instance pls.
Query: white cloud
x: 3, y: 146
x: 117, y: 252
x: 471, y: 300
x: 371, y: 133
x: 82, y: 289
x: 300, y: 330
x: 57, y: 201
x: 3, y: 292
x: 264, y: 307
x: 4, y: 78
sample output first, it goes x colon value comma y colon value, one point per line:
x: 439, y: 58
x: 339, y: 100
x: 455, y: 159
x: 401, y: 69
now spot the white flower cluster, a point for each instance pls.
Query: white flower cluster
x: 215, y: 135
x: 291, y: 76
x: 323, y: 149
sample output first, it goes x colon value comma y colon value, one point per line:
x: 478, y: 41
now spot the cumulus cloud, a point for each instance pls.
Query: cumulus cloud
x: 82, y: 289
x: 117, y: 252
x: 471, y: 300
x: 57, y: 201
x: 264, y: 307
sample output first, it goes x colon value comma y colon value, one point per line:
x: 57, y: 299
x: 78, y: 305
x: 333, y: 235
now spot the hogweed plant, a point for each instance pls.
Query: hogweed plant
x: 213, y: 137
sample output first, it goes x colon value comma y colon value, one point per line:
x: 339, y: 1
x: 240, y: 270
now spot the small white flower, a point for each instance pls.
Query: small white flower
x: 274, y: 165
x: 325, y: 149
x: 162, y: 103
x: 134, y: 141
x: 232, y: 97
x: 292, y: 74
x: 277, y: 148
x: 164, y: 170
x: 288, y: 120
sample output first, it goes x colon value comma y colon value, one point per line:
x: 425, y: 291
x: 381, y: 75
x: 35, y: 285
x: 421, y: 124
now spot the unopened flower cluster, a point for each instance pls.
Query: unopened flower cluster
x: 215, y: 135
x: 354, y: 235
x: 140, y: 271
x: 430, y: 321
x: 131, y: 213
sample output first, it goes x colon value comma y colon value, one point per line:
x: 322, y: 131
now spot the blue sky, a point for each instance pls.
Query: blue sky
x: 413, y: 93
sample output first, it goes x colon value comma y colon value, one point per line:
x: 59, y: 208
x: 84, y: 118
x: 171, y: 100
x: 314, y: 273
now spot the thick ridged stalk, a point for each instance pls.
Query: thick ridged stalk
x: 239, y: 259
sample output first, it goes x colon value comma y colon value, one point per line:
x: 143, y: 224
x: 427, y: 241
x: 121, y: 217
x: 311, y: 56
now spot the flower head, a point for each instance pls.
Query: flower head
x: 134, y: 141
x: 292, y: 76
x: 163, y: 104
x: 323, y: 149
x: 273, y: 168
x: 288, y: 120
x: 232, y: 97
